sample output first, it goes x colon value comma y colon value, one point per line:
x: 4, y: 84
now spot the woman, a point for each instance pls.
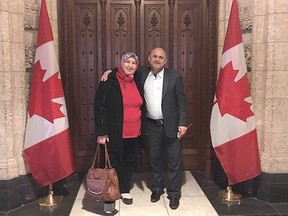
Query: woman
x: 118, y: 109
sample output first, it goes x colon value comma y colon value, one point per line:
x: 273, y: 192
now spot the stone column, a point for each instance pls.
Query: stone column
x: 269, y: 87
x: 13, y: 89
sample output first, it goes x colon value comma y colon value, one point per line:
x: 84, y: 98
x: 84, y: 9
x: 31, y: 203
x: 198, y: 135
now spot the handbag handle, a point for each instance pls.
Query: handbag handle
x: 97, y: 156
x: 107, y: 158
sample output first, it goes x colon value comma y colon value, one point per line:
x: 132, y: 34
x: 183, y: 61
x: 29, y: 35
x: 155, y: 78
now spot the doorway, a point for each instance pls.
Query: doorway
x: 93, y: 35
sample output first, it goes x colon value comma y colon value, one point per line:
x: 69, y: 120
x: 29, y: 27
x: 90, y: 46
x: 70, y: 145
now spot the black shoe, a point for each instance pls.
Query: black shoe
x: 174, y: 203
x: 155, y: 196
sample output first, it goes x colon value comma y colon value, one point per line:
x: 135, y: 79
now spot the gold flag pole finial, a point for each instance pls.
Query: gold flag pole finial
x: 50, y: 199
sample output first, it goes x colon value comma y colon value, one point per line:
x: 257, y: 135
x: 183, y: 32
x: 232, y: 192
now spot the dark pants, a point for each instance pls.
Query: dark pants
x: 124, y: 163
x: 128, y: 162
x: 161, y: 147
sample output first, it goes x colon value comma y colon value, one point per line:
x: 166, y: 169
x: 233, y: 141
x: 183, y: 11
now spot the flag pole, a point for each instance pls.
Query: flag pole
x: 50, y: 199
x: 229, y: 197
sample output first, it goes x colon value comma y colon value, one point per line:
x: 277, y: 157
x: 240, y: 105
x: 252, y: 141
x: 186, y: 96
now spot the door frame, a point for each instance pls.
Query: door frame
x: 65, y: 53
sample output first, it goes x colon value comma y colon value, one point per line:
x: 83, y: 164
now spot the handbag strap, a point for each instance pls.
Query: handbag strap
x: 107, y: 159
x: 97, y: 157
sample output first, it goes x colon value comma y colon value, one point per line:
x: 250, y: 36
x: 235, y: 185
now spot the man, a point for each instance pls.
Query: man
x: 166, y: 124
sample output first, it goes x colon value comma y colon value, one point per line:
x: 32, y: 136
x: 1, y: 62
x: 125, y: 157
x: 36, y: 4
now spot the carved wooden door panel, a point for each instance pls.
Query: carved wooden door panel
x: 95, y: 33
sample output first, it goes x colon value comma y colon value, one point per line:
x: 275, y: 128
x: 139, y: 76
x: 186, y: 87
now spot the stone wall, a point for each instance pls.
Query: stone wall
x: 270, y: 75
x: 13, y: 88
x: 269, y: 81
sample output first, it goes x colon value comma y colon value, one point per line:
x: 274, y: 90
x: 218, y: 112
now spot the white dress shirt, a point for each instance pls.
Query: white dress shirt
x: 153, y: 94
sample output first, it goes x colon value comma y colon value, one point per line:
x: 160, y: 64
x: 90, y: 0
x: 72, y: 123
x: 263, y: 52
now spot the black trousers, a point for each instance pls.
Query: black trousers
x: 161, y: 147
x: 124, y: 162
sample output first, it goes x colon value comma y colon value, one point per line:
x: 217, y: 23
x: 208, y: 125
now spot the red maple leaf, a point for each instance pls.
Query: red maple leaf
x: 42, y: 94
x: 230, y: 94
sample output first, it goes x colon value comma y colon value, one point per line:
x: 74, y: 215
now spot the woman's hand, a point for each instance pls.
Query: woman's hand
x: 102, y: 139
x: 105, y: 75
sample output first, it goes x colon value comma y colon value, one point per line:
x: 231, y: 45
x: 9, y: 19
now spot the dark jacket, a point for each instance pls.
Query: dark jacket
x: 108, y: 112
x: 174, y: 107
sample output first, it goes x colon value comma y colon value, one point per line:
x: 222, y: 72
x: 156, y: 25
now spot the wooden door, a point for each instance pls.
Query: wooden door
x: 95, y: 33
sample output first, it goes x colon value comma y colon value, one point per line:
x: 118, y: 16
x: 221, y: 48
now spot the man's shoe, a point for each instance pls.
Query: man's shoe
x: 174, y: 203
x: 155, y: 196
x: 127, y: 198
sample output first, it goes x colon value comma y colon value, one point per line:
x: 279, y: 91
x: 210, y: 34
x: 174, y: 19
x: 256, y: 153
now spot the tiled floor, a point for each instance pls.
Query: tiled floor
x: 194, y: 202
x: 249, y: 206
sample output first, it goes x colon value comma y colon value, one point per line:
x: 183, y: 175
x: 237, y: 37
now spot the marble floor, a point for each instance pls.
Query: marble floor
x: 199, y: 197
x: 193, y: 201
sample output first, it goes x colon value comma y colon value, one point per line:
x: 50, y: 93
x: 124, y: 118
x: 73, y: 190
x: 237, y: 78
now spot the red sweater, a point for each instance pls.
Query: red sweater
x: 132, y: 103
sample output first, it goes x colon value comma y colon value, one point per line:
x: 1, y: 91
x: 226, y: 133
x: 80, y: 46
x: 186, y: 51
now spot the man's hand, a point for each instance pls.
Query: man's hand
x: 102, y: 139
x: 105, y: 75
x: 181, y: 131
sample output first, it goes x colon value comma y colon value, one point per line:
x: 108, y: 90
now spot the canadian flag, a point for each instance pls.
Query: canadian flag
x: 232, y: 126
x: 47, y: 146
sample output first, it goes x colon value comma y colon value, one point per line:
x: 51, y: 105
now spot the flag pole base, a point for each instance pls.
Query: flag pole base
x: 50, y: 200
x: 228, y: 197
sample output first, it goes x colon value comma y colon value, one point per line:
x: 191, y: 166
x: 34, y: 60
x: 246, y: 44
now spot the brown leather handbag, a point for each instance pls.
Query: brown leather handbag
x: 102, y: 183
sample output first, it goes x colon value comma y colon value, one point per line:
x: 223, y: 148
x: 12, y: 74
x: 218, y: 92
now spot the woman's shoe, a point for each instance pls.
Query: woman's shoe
x: 109, y: 207
x: 127, y: 198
